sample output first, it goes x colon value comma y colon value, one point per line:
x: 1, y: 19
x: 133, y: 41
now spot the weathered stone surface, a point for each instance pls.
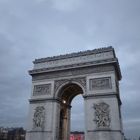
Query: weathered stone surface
x: 100, y: 83
x: 95, y: 74
x: 73, y: 72
x: 39, y: 118
x: 80, y: 80
x: 102, y: 115
x: 44, y: 89
x: 97, y: 53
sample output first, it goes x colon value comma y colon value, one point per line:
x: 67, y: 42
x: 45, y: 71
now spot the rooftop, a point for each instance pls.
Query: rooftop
x: 75, y: 54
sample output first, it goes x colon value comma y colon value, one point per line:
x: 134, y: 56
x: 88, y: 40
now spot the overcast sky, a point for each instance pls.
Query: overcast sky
x: 32, y: 29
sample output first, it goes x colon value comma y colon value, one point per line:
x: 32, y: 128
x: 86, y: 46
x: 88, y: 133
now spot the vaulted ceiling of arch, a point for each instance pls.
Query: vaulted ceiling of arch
x: 70, y: 92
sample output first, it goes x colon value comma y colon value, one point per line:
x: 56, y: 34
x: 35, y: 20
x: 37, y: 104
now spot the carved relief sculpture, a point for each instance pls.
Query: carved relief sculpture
x: 72, y: 72
x: 100, y: 83
x: 102, y: 115
x: 44, y: 89
x: 58, y: 83
x: 80, y: 80
x: 39, y: 117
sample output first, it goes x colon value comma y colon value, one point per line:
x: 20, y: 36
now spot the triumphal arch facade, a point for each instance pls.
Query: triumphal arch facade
x: 95, y: 74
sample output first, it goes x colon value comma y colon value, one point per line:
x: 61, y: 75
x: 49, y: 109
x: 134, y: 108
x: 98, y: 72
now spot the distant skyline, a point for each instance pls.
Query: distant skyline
x: 32, y: 29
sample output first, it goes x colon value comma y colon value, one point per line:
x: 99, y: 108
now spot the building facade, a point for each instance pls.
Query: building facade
x: 12, y: 133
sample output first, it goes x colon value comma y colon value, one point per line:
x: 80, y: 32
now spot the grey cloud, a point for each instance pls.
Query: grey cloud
x: 40, y: 28
x: 66, y: 6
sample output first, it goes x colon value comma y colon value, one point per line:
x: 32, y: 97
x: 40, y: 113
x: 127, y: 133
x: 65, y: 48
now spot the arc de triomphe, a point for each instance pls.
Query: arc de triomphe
x: 57, y: 80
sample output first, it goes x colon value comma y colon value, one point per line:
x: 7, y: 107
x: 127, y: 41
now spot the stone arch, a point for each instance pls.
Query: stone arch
x: 66, y: 92
x: 68, y: 83
x: 95, y: 74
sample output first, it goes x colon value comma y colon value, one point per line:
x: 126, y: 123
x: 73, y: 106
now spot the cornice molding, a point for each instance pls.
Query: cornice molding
x: 34, y: 71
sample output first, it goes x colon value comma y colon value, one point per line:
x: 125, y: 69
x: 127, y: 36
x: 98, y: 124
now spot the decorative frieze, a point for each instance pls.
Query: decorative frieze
x: 39, y: 118
x: 100, y: 83
x: 44, y: 89
x: 102, y: 115
x: 76, y: 65
x: 80, y: 80
x: 58, y: 83
x: 99, y: 52
x: 73, y: 72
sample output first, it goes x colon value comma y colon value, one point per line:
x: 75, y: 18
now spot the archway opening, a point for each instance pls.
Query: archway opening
x: 66, y: 95
x: 77, y: 118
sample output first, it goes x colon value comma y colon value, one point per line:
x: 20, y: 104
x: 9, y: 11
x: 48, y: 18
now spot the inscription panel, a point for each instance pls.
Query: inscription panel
x: 44, y: 89
x: 100, y: 83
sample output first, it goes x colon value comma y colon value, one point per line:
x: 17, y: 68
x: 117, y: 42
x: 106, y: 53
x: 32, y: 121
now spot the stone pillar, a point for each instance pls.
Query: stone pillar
x: 69, y: 123
x: 102, y: 108
x: 41, y: 121
x: 44, y: 112
x: 64, y: 123
x: 56, y: 121
x: 67, y: 126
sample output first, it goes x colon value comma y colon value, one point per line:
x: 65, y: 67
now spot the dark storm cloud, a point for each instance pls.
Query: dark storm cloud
x: 40, y: 28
